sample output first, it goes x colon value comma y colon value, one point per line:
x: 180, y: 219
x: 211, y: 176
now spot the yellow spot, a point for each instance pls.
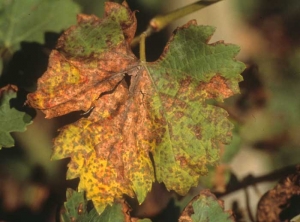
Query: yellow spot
x: 73, y: 76
x: 105, y: 114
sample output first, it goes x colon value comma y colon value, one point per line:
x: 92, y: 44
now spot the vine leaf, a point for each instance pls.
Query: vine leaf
x: 75, y: 79
x: 189, y: 73
x: 75, y: 209
x: 162, y: 110
x: 11, y: 119
x: 274, y: 204
x: 91, y: 58
x: 205, y: 207
x: 28, y: 20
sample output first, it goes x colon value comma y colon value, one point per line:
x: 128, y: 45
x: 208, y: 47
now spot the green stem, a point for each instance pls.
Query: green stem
x: 143, y: 47
x: 161, y: 21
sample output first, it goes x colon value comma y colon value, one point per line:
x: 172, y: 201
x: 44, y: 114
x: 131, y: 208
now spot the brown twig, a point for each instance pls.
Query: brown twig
x: 247, y: 199
x: 250, y: 180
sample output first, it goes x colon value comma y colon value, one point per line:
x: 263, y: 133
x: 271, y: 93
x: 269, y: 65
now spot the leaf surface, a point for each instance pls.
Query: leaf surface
x: 11, y: 119
x: 28, y: 20
x: 162, y: 111
x: 205, y: 207
x: 91, y: 58
x: 75, y: 209
x: 75, y: 79
x: 189, y: 73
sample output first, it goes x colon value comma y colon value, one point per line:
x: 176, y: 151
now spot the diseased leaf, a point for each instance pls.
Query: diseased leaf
x: 274, y: 204
x: 189, y: 73
x: 114, y: 213
x: 141, y: 220
x: 205, y: 207
x: 218, y: 176
x: 75, y: 209
x: 28, y: 20
x: 104, y: 156
x: 11, y: 119
x: 91, y: 58
x: 163, y: 110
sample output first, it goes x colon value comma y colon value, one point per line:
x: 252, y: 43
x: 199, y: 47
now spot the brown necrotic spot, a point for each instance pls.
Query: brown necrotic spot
x: 216, y: 87
x: 80, y: 209
x: 182, y: 161
x: 198, y: 132
x: 179, y: 114
x: 185, y: 85
x: 180, y: 103
x: 73, y: 165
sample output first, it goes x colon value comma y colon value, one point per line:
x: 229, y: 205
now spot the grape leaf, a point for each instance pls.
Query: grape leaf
x: 75, y: 209
x: 91, y: 58
x: 144, y: 220
x: 28, y: 20
x: 189, y: 73
x: 85, y: 73
x: 162, y: 110
x: 205, y: 207
x: 11, y: 119
x: 274, y: 204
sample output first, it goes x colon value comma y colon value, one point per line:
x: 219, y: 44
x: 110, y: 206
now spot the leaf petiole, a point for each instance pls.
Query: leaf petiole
x: 159, y: 22
x: 143, y: 47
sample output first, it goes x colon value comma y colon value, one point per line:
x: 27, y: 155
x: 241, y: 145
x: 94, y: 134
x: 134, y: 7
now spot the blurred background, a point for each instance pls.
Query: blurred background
x: 266, y: 113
